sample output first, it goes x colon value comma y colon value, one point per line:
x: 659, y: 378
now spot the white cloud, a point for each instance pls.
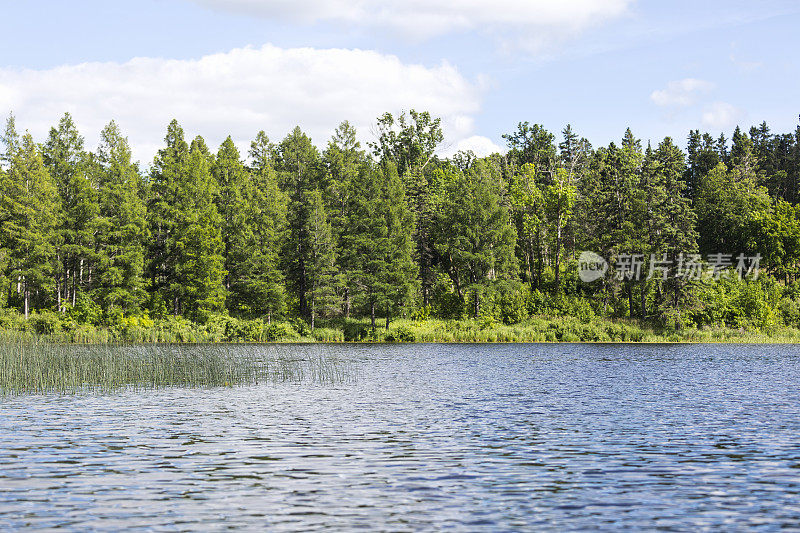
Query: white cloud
x: 238, y: 93
x: 681, y: 93
x: 531, y: 20
x: 479, y: 145
x: 722, y: 116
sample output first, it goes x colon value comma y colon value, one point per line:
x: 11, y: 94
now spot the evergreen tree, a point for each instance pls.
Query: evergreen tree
x: 533, y: 145
x: 29, y: 199
x: 343, y: 160
x: 703, y: 157
x: 232, y: 180
x: 187, y: 264
x: 163, y: 212
x: 121, y: 225
x: 200, y: 270
x: 257, y: 289
x: 321, y: 258
x: 69, y: 167
x: 670, y: 222
x: 613, y: 209
x: 298, y: 164
x: 380, y: 241
x: 410, y: 144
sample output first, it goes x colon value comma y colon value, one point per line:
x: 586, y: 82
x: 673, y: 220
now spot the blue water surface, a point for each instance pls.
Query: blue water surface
x: 426, y: 437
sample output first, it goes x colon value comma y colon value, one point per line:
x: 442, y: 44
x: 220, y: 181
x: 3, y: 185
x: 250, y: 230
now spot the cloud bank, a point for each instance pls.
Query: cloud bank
x: 239, y: 93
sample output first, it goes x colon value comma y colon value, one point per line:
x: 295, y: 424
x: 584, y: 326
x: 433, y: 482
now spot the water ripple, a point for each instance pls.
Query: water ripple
x: 472, y: 438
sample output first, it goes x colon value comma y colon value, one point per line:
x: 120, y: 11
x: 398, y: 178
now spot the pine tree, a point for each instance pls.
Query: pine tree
x: 257, y: 286
x: 162, y: 213
x: 121, y: 225
x: 321, y: 259
x: 198, y: 287
x: 613, y: 208
x: 298, y: 164
x: 69, y: 167
x: 29, y: 199
x: 532, y: 145
x: 187, y: 268
x: 232, y: 180
x: 409, y: 142
x: 380, y: 241
x: 343, y: 160
x: 670, y: 220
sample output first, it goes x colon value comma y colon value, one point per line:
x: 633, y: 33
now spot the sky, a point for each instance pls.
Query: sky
x: 239, y: 66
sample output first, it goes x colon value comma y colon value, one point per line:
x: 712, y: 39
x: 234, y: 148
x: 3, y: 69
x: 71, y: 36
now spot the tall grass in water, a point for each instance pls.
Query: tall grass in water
x: 44, y: 368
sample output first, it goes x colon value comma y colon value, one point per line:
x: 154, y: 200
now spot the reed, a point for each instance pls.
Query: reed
x: 40, y: 368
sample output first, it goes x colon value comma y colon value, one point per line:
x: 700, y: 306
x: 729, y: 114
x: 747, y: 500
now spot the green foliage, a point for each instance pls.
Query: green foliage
x: 471, y: 231
x: 28, y: 210
x: 294, y: 243
x: 86, y: 311
x: 120, y: 225
x: 44, y: 323
x: 379, y: 240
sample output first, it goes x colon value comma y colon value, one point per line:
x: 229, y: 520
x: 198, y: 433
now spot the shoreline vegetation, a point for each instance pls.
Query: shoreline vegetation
x: 39, y: 329
x: 227, y: 352
x: 391, y: 242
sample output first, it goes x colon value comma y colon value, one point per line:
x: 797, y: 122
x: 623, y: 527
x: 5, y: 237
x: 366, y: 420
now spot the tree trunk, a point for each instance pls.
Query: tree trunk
x: 630, y: 299
x: 372, y: 315
x: 644, y: 301
x: 27, y: 296
x: 558, y: 254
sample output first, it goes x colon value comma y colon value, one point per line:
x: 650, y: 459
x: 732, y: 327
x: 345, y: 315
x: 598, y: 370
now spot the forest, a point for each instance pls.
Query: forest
x: 288, y: 236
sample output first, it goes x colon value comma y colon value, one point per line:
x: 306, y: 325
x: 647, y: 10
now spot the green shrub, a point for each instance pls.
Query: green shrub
x: 280, y: 331
x: 401, y: 334
x: 512, y: 302
x: 86, y: 311
x: 44, y: 323
x: 327, y: 335
x: 790, y: 312
x: 11, y: 319
x: 355, y: 331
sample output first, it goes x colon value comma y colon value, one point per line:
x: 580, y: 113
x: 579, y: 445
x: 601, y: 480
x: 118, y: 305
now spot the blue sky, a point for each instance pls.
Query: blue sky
x: 237, y: 66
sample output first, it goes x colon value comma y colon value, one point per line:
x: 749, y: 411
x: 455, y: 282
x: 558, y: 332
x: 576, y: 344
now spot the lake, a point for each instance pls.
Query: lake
x: 421, y: 437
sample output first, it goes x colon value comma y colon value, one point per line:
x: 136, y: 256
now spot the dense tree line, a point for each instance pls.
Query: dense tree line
x: 385, y: 230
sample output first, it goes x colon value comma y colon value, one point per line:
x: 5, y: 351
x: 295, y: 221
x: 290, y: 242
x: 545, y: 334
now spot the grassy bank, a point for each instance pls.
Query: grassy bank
x: 222, y: 329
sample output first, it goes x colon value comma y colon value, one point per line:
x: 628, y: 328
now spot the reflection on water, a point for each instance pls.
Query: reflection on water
x: 426, y: 436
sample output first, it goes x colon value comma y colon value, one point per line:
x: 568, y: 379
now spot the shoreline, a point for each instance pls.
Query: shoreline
x: 536, y: 330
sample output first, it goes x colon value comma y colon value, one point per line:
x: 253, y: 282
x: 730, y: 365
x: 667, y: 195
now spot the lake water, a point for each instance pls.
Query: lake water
x: 420, y: 437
